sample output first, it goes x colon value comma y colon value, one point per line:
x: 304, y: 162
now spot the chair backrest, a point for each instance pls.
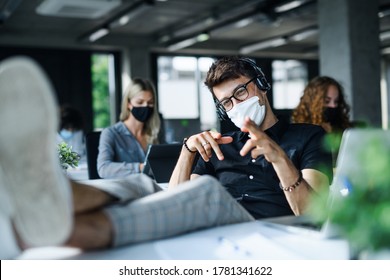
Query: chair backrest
x: 92, y: 144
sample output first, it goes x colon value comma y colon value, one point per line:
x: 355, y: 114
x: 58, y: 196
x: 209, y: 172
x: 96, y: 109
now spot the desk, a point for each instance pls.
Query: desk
x: 79, y: 173
x: 252, y: 240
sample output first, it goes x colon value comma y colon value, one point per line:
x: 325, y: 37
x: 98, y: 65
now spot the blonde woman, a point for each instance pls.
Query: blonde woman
x: 122, y: 146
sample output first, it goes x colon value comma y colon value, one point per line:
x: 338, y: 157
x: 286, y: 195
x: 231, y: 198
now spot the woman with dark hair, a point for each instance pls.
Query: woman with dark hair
x: 323, y: 103
x: 123, y: 146
x: 71, y: 130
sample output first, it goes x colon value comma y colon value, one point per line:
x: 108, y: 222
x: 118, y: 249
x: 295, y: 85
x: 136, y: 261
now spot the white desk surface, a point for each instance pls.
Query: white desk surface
x: 78, y: 173
x: 252, y: 240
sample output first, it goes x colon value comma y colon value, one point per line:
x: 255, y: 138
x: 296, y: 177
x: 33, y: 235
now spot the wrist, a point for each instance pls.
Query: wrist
x: 187, y: 148
x: 292, y: 187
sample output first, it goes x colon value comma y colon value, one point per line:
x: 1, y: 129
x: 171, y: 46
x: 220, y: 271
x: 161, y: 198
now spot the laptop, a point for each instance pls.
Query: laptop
x: 351, y: 167
x: 160, y: 161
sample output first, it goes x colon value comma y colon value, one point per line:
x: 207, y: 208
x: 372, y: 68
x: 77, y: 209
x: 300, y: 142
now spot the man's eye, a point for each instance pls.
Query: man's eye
x: 225, y: 102
x: 240, y: 92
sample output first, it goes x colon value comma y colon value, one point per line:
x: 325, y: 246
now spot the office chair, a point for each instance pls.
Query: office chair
x: 92, y: 144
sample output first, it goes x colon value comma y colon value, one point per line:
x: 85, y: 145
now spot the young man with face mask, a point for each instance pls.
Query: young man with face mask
x: 270, y: 167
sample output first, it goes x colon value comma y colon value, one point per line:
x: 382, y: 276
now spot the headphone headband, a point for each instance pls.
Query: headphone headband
x: 261, y: 81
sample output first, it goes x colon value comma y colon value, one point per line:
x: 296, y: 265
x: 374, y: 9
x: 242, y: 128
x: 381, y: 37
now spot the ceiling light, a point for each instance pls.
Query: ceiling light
x: 165, y: 38
x: 384, y: 35
x: 98, y: 34
x: 303, y: 35
x: 384, y: 13
x: 188, y: 42
x: 131, y: 14
x: 77, y: 8
x: 385, y: 50
x: 263, y: 45
x: 195, y: 27
x: 243, y: 22
x: 288, y: 6
x: 234, y: 25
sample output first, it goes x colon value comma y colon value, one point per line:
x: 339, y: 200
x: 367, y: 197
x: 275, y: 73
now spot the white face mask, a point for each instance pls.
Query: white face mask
x: 249, y: 108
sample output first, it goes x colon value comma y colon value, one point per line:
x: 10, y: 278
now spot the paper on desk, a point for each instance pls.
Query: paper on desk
x: 250, y: 246
x: 253, y: 246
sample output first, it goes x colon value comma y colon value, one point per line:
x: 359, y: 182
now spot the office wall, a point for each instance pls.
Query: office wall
x: 69, y: 71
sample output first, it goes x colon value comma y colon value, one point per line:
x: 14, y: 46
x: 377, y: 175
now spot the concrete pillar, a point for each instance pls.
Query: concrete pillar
x: 350, y: 53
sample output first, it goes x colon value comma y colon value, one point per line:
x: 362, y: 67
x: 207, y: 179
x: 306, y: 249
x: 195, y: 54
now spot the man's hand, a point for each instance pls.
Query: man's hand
x: 207, y: 141
x: 260, y: 144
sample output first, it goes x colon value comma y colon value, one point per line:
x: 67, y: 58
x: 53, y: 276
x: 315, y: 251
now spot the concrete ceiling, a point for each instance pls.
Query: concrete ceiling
x: 163, y: 23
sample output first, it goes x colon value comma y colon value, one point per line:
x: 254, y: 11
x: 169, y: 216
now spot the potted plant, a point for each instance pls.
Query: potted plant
x: 67, y: 157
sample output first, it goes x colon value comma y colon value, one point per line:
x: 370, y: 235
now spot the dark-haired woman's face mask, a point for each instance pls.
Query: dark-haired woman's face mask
x: 143, y: 113
x: 331, y: 115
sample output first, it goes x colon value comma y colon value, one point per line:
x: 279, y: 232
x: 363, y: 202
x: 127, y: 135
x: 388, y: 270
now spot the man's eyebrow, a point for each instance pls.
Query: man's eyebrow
x: 237, y: 87
x: 231, y: 93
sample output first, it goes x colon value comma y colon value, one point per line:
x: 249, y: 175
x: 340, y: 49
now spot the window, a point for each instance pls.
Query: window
x: 289, y: 80
x: 184, y: 100
x: 178, y: 96
x: 103, y: 90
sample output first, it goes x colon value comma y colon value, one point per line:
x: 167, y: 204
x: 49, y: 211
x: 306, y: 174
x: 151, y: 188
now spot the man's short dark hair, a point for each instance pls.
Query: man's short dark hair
x: 228, y: 68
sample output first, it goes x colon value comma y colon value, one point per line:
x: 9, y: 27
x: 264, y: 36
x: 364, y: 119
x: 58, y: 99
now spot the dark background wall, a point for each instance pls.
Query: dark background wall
x: 70, y: 73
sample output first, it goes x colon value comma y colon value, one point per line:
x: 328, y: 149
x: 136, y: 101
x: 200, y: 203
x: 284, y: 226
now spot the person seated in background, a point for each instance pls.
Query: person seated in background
x: 270, y: 167
x: 323, y: 103
x: 71, y: 130
x: 40, y: 206
x: 122, y: 147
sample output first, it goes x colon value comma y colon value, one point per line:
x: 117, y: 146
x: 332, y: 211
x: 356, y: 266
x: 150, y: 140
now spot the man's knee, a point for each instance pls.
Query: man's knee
x: 145, y: 184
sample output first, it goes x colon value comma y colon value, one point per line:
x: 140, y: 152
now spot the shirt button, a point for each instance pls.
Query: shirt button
x: 251, y: 177
x: 253, y: 160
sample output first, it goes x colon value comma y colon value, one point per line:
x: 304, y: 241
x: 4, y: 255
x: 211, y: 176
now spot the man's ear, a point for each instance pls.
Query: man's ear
x: 263, y: 97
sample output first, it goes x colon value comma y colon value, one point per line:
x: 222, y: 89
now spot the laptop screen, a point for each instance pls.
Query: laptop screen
x: 359, y: 160
x: 160, y: 161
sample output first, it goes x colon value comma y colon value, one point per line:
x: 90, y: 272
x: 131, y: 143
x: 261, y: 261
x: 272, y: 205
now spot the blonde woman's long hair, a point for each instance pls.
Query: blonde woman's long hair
x: 152, y: 125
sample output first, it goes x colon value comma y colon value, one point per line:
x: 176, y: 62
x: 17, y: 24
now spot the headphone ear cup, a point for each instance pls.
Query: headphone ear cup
x: 221, y: 112
x: 262, y: 83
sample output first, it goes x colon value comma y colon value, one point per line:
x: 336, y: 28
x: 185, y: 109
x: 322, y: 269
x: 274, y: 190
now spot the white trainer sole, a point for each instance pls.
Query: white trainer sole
x: 39, y: 192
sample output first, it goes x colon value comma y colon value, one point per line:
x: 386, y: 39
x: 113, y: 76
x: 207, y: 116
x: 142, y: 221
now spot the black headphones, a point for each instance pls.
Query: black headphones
x: 261, y: 83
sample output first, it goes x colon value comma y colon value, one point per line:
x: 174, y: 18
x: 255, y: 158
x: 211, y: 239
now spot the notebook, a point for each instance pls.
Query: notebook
x: 351, y: 165
x: 160, y: 161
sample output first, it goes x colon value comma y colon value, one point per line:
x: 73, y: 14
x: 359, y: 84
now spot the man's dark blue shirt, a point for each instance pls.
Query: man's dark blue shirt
x: 253, y: 182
